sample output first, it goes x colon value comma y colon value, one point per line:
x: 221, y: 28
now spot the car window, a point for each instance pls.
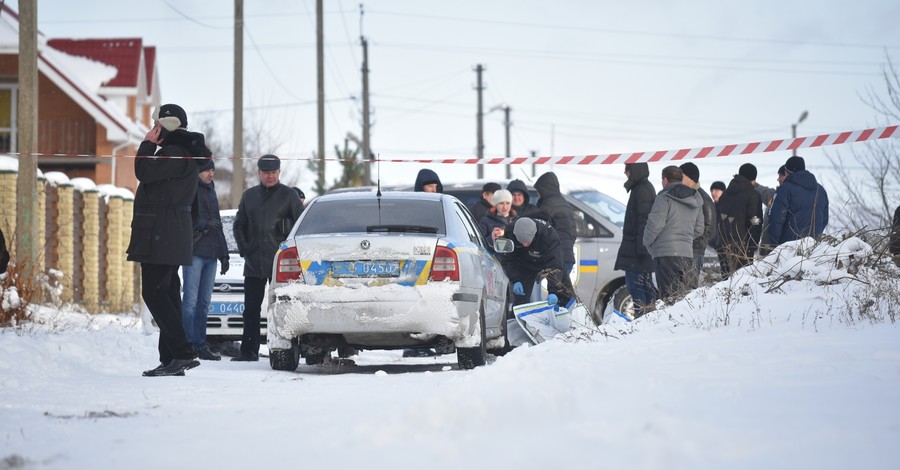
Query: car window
x: 228, y: 229
x: 609, y: 208
x: 468, y: 222
x: 358, y: 215
x: 587, y: 227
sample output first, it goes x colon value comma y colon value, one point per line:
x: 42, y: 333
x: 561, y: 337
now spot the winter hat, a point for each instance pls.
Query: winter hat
x: 502, y: 195
x: 782, y: 170
x: 748, y: 170
x: 795, y: 164
x: 718, y: 185
x: 205, y: 165
x: 691, y: 171
x: 524, y: 230
x: 268, y: 162
x: 490, y: 187
x: 171, y: 117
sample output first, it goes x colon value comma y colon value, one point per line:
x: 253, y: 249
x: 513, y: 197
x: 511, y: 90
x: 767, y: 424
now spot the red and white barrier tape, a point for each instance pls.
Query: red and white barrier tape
x: 822, y: 140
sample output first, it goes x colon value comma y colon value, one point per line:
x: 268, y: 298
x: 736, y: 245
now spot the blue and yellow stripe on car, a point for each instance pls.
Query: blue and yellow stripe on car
x: 588, y: 266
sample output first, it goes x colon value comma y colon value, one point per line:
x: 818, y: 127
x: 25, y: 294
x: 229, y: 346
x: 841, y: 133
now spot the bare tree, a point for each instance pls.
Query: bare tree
x: 872, y: 197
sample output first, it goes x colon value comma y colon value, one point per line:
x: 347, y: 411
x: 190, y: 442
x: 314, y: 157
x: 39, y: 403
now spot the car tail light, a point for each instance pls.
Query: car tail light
x: 288, y: 266
x: 445, y: 265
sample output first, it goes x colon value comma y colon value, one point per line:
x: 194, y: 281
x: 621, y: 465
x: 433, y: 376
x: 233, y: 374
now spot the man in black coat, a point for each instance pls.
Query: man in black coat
x: 522, y: 201
x: 633, y: 257
x: 560, y: 215
x: 486, y: 202
x: 895, y: 237
x: 537, y: 250
x: 739, y: 221
x: 161, y: 229
x: 265, y: 216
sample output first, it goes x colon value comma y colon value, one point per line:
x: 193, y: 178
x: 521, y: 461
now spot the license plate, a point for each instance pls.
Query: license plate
x: 226, y: 308
x: 366, y: 269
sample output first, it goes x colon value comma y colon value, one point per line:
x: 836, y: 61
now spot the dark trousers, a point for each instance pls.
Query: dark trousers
x: 254, y: 290
x: 675, y: 276
x: 161, y: 290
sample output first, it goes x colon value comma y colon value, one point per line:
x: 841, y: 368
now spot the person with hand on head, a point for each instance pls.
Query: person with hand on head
x: 486, y: 202
x: 162, y: 230
x: 537, y: 252
x: 200, y: 276
x: 264, y: 219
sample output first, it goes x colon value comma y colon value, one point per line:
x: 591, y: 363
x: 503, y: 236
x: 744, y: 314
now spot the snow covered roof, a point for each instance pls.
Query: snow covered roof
x: 124, y: 54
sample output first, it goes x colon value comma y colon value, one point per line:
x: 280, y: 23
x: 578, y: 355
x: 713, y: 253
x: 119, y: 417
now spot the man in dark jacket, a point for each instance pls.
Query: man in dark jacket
x: 739, y: 221
x: 675, y: 221
x: 691, y: 178
x: 264, y: 218
x: 161, y: 229
x: 486, y: 202
x: 521, y: 200
x: 537, y: 250
x: 200, y: 275
x: 4, y: 254
x: 633, y: 257
x: 428, y: 181
x: 560, y: 216
x: 800, y: 208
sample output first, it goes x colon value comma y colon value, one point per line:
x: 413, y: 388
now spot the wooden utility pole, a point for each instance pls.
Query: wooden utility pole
x: 237, y: 175
x: 366, y: 150
x: 26, y: 186
x: 320, y: 74
x: 480, y: 148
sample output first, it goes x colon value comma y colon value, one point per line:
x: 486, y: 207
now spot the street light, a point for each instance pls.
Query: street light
x: 794, y: 128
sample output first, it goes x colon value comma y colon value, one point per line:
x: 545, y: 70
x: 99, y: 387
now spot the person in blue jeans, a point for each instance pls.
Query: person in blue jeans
x: 200, y: 276
x: 633, y: 257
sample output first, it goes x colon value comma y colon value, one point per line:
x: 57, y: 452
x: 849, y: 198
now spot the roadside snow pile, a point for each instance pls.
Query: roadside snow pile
x: 806, y: 282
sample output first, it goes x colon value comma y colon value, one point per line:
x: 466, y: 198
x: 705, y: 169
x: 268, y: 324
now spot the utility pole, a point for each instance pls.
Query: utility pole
x: 533, y: 165
x: 320, y: 76
x: 366, y: 151
x: 480, y: 149
x: 237, y: 142
x: 26, y: 186
x: 794, y: 128
x: 507, y: 124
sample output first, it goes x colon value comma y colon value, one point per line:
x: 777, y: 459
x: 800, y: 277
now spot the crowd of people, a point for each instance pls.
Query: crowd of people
x: 665, y: 234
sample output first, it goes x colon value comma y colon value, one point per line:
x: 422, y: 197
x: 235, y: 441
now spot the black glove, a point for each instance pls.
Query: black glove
x: 215, y: 224
x: 224, y: 262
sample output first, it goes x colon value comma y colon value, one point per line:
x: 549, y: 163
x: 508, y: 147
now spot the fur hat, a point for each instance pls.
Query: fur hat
x: 748, y: 170
x: 524, y: 230
x: 795, y: 164
x: 502, y: 195
x: 268, y: 162
x: 718, y: 185
x: 171, y: 117
x: 691, y: 171
x: 205, y: 165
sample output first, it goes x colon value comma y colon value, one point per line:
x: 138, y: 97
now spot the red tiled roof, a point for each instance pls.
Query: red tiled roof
x: 122, y: 53
x: 149, y: 62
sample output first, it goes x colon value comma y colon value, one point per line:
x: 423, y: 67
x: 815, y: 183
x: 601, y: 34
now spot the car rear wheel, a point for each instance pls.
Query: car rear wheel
x: 285, y: 359
x: 470, y: 358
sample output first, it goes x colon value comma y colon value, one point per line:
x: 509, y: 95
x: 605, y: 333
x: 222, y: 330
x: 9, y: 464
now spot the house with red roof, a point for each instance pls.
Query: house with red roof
x: 95, y: 99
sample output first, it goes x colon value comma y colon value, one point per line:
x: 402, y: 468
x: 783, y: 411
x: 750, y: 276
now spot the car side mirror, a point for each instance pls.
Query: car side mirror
x: 503, y: 245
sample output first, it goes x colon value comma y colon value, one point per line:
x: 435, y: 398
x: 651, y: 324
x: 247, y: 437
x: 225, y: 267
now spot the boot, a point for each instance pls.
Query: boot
x: 207, y: 355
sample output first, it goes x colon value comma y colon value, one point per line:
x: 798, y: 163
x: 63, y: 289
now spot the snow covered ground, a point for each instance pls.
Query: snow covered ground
x: 734, y: 376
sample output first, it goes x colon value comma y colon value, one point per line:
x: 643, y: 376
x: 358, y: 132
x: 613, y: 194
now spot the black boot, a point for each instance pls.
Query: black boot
x: 207, y: 355
x: 175, y: 367
x: 245, y: 358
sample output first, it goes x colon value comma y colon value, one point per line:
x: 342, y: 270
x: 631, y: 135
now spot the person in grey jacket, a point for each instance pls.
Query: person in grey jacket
x: 264, y: 218
x: 691, y: 179
x: 675, y: 220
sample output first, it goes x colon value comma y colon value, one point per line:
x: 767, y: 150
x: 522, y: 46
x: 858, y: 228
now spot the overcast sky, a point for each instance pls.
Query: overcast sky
x: 581, y: 77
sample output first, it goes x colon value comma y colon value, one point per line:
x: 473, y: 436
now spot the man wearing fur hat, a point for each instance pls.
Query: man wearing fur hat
x: 739, y: 221
x: 800, y: 208
x: 162, y: 231
x: 537, y: 250
x: 200, y: 276
x: 691, y: 178
x: 264, y: 218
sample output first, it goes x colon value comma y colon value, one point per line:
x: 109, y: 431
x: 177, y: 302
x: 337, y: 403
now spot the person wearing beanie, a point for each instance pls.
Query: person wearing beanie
x: 428, y: 181
x: 498, y: 217
x: 691, y: 179
x: 633, y: 257
x: 675, y: 221
x: 739, y: 221
x: 537, y: 250
x: 265, y: 216
x: 162, y: 229
x: 716, y: 189
x: 560, y: 215
x: 199, y: 277
x: 521, y: 200
x: 800, y: 208
x: 486, y: 202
